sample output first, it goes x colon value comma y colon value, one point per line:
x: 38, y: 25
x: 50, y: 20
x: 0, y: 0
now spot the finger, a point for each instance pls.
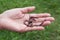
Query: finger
x: 43, y: 24
x: 27, y: 9
x: 34, y: 28
x: 46, y: 19
x: 40, y: 15
x: 50, y: 19
x: 46, y: 23
x: 37, y: 23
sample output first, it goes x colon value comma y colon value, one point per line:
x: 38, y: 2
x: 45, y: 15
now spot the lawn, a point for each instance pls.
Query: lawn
x: 51, y: 32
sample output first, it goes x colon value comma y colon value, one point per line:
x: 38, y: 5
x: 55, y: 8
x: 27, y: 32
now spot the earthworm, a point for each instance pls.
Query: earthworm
x: 30, y: 22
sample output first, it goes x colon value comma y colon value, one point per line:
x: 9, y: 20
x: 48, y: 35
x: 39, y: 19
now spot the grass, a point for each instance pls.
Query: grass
x: 52, y: 32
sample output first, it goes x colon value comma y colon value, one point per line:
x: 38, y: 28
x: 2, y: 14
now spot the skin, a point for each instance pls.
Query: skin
x: 13, y: 19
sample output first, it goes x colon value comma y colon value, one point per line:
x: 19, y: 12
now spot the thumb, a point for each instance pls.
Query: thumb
x: 27, y: 9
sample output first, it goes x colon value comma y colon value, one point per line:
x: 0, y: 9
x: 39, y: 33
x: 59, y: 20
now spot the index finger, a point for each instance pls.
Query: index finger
x: 40, y: 15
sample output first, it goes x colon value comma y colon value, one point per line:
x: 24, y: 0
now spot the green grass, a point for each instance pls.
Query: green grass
x: 52, y: 32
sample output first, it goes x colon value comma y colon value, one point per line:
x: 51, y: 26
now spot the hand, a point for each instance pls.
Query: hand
x: 14, y: 19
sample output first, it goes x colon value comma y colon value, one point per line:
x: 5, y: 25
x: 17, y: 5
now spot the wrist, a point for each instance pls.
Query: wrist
x: 0, y: 22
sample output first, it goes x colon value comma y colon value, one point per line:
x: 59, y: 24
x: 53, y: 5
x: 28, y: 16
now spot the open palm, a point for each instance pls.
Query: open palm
x: 14, y: 19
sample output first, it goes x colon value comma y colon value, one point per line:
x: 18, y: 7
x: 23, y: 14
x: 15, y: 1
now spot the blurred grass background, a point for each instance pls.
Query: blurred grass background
x: 52, y: 32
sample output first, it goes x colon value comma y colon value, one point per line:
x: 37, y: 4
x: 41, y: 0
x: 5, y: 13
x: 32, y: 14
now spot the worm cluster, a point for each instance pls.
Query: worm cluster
x: 29, y: 22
